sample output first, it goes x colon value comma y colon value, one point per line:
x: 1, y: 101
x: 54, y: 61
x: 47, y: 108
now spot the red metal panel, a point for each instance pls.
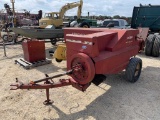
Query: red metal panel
x: 114, y: 62
x: 128, y: 39
x: 34, y: 50
x: 111, y: 48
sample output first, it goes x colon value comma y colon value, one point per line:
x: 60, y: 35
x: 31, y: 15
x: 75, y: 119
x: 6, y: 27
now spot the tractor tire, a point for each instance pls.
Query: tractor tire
x: 133, y: 70
x: 84, y: 25
x: 149, y: 45
x: 156, y: 47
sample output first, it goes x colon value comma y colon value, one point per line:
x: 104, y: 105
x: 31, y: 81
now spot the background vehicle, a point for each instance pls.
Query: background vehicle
x: 117, y: 23
x: 56, y: 18
x: 86, y: 23
x: 8, y: 36
x: 148, y: 16
x: 22, y: 17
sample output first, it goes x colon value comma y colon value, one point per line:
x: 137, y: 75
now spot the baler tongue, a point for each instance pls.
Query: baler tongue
x: 16, y: 85
x: 49, y: 83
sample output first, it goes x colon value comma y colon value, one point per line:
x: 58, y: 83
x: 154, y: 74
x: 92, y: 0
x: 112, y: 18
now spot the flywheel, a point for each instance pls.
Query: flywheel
x: 85, y: 70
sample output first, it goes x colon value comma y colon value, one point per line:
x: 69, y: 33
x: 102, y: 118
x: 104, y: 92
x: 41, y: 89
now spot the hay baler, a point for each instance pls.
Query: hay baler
x: 92, y: 52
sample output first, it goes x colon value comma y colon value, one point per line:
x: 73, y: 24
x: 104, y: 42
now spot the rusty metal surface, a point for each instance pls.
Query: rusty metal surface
x: 48, y: 83
x: 143, y: 32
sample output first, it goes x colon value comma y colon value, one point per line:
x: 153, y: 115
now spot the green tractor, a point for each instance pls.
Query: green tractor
x: 83, y: 22
x: 87, y: 23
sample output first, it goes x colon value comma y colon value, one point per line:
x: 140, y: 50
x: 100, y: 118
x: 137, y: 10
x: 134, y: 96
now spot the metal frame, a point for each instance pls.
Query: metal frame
x: 49, y: 83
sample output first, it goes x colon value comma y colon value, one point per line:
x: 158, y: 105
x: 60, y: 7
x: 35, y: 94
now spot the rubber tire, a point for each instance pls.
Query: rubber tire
x: 53, y: 41
x: 149, y: 44
x: 131, y: 69
x: 84, y: 24
x: 58, y: 60
x: 156, y: 47
x: 6, y: 40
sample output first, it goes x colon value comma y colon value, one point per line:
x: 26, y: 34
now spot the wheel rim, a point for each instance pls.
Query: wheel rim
x: 10, y: 38
x: 138, y: 67
x: 5, y: 38
x: 82, y: 73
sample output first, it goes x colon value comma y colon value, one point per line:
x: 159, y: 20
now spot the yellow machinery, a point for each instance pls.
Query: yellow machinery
x: 56, y: 18
x: 60, y: 53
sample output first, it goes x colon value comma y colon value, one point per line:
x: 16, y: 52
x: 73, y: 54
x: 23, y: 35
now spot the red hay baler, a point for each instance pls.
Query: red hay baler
x: 94, y: 52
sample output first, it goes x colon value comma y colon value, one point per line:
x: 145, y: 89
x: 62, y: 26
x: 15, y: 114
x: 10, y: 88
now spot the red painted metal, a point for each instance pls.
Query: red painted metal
x: 49, y: 83
x: 87, y: 71
x: 92, y: 51
x: 34, y: 50
x: 110, y: 49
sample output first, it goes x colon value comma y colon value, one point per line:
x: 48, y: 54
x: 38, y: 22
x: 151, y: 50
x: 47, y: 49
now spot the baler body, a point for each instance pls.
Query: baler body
x: 92, y: 52
x: 109, y: 49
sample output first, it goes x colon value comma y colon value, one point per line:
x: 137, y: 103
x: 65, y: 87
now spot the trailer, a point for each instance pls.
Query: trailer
x: 148, y: 16
x: 33, y: 32
x: 93, y: 53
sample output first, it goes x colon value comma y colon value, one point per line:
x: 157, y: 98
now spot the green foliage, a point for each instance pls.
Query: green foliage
x: 116, y: 17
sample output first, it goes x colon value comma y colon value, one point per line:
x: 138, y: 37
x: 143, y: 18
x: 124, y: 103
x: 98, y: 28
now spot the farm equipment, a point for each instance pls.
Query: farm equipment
x: 56, y: 18
x: 92, y: 53
x: 48, y: 33
x: 6, y: 34
x: 148, y: 16
x: 116, y: 23
x: 21, y: 17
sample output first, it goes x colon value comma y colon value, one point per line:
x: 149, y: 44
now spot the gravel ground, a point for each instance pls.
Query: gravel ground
x: 114, y: 99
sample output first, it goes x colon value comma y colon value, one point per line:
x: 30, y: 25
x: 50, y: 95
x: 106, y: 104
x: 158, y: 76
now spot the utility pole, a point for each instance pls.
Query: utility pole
x: 13, y: 1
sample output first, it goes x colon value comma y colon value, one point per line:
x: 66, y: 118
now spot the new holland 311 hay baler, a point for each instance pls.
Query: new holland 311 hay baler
x: 92, y: 53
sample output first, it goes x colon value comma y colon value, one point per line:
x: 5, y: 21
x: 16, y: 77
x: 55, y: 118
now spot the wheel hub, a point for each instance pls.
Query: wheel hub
x: 83, y: 68
x: 137, y: 69
x: 81, y: 72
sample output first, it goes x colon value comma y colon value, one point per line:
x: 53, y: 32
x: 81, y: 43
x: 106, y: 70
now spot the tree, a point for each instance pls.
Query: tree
x: 123, y: 17
x: 116, y: 17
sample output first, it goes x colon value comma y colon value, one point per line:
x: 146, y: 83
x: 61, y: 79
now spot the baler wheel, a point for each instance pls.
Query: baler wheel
x: 156, y: 47
x: 149, y: 44
x: 86, y: 71
x: 133, y: 69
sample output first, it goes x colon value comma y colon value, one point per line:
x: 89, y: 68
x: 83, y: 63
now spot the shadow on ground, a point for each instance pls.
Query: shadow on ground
x: 123, y: 100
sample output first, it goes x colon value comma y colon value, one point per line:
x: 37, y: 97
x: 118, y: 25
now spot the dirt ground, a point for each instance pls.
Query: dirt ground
x: 114, y: 99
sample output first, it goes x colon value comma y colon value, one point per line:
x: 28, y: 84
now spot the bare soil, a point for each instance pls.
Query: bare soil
x: 114, y: 99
